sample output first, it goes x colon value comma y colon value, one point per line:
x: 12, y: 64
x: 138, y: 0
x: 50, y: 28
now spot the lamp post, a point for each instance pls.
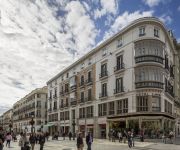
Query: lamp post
x: 10, y: 125
x: 32, y: 123
x: 41, y: 126
x: 73, y: 124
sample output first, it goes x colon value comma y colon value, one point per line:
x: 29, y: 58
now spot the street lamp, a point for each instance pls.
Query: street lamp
x: 32, y: 123
x: 10, y: 125
x: 41, y: 126
x: 73, y: 124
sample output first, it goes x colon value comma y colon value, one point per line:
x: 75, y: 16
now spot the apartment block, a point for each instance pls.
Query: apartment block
x: 7, y: 120
x: 33, y: 105
x: 130, y: 81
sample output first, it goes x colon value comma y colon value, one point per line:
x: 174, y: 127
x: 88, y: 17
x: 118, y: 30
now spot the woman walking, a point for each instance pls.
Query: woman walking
x: 32, y: 140
x: 22, y: 141
x: 8, y: 139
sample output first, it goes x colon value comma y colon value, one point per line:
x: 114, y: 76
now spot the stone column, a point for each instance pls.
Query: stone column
x: 140, y: 122
x: 96, y: 127
x: 107, y: 129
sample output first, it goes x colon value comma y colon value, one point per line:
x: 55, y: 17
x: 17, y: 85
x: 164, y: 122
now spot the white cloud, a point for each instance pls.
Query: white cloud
x: 166, y: 19
x: 107, y: 7
x: 124, y: 19
x: 152, y: 3
x: 35, y: 44
x: 178, y: 8
x: 178, y: 40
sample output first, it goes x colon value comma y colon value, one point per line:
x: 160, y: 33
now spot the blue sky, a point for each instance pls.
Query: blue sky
x: 40, y: 38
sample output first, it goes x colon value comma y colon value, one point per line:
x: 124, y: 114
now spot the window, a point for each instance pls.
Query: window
x: 104, y: 89
x: 66, y: 88
x: 122, y: 106
x: 55, y: 105
x: 82, y: 65
x: 67, y: 75
x: 119, y: 62
x: 89, y: 111
x: 73, y: 114
x: 156, y: 32
x: 61, y: 116
x: 55, y: 92
x: 156, y: 105
x: 82, y: 80
x: 104, y: 70
x: 66, y: 115
x: 82, y: 96
x: 89, y: 95
x: 141, y: 31
x: 81, y: 113
x: 111, y: 108
x: 168, y: 107
x: 142, y: 103
x: 38, y: 95
x: 119, y: 42
x: 119, y: 85
x: 89, y: 77
x: 104, y: 52
x: 50, y: 95
x: 102, y: 109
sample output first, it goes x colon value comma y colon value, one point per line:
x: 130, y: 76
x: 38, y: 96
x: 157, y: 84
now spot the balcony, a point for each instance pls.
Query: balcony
x: 156, y: 109
x: 61, y: 106
x: 88, y: 99
x: 55, y: 96
x: 103, y: 95
x: 149, y: 84
x: 73, y: 102
x: 66, y: 91
x: 169, y: 89
x: 73, y: 88
x: 89, y: 81
x: 50, y: 98
x: 119, y: 68
x: 149, y: 58
x: 103, y: 75
x: 118, y: 91
x: 82, y: 100
x: 61, y: 93
x: 81, y: 84
x: 66, y: 105
x: 50, y: 110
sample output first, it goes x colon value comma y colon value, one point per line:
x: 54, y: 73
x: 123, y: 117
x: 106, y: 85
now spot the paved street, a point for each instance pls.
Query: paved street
x: 100, y: 145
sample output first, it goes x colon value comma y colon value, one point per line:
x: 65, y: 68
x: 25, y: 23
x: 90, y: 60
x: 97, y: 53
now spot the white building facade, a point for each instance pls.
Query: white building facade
x: 130, y: 81
x: 33, y: 105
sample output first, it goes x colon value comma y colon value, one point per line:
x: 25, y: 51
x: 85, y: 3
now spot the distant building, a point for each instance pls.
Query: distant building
x: 7, y: 120
x: 1, y: 122
x: 33, y: 105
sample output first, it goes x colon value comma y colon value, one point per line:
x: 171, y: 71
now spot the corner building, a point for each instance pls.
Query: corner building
x: 129, y: 81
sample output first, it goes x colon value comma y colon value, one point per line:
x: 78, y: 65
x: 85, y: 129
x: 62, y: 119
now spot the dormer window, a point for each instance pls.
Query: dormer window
x: 142, y: 31
x: 104, y: 52
x: 156, y: 32
x: 82, y: 65
x: 119, y: 42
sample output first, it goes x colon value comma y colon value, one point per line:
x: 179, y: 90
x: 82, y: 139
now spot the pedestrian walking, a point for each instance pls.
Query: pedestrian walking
x: 114, y: 136
x: 41, y: 141
x: 109, y: 135
x: 164, y: 138
x: 132, y: 137
x: 129, y: 139
x: 32, y: 140
x: 64, y: 135
x: 8, y: 139
x: 80, y: 143
x: 124, y: 136
x: 120, y: 136
x: 22, y: 141
x: 70, y: 135
x: 89, y: 140
x: 1, y: 139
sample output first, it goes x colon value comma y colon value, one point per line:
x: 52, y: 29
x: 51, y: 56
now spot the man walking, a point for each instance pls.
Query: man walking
x: 89, y: 140
x: 41, y: 141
